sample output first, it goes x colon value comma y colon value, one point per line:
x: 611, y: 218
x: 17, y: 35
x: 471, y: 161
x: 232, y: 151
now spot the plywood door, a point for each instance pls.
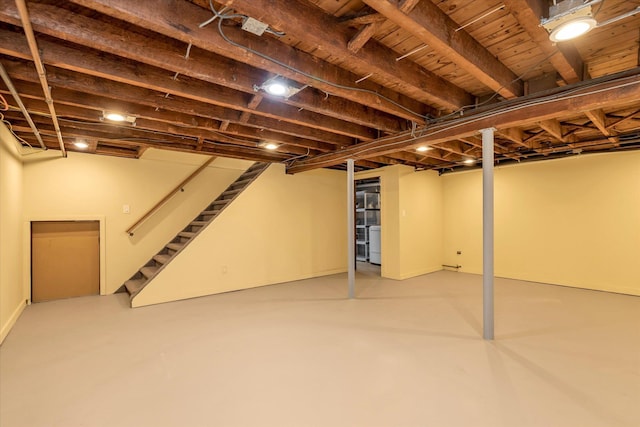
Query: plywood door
x: 65, y: 259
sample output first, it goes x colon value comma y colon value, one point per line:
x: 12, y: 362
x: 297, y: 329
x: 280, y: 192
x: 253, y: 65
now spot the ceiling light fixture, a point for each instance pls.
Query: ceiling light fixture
x: 572, y: 29
x: 469, y: 161
x: 570, y: 19
x: 82, y: 144
x: 279, y: 86
x: 423, y: 148
x: 118, y: 117
x: 269, y: 145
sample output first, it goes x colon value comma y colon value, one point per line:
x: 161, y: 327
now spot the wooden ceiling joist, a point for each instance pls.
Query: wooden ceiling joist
x: 101, y: 87
x: 200, y: 64
x: 564, y: 57
x: 433, y: 27
x: 599, y: 119
x: 162, y: 18
x: 406, y: 76
x: 377, y: 79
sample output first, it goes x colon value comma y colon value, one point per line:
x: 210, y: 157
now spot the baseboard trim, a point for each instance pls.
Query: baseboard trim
x: 6, y: 328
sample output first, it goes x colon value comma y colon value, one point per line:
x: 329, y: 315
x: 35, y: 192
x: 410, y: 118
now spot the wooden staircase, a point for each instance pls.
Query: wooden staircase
x: 143, y: 276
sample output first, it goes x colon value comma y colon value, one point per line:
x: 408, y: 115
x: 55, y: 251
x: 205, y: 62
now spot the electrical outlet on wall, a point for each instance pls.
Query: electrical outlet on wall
x: 126, y: 209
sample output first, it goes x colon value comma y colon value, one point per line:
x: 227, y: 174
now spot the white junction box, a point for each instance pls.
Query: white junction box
x: 254, y: 26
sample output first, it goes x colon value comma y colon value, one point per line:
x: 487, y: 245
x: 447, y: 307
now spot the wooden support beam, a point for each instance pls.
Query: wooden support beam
x: 309, y: 24
x: 252, y: 105
x: 406, y: 6
x: 554, y: 128
x: 362, y: 37
x: 356, y: 21
x: 620, y: 89
x: 621, y: 120
x: 599, y: 119
x: 433, y: 27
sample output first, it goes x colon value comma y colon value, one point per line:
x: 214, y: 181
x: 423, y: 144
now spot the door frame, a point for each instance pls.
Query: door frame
x: 26, y: 247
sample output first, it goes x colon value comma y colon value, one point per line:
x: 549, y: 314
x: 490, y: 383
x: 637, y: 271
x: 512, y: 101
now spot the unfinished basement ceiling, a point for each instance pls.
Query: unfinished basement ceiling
x: 377, y: 79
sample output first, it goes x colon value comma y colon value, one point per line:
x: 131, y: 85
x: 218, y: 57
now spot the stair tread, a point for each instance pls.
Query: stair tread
x: 148, y: 271
x: 175, y: 246
x: 134, y: 285
x: 162, y: 258
x: 243, y: 182
x: 199, y: 223
x: 189, y: 234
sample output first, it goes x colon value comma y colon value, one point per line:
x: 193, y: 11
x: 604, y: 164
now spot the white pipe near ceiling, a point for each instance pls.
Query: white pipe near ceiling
x: 33, y: 47
x: 16, y: 96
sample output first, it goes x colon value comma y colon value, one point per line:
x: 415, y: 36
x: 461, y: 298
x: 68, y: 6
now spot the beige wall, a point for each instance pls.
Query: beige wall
x: 574, y: 222
x: 12, y: 298
x: 420, y: 217
x: 85, y: 186
x: 281, y: 228
x: 411, y: 217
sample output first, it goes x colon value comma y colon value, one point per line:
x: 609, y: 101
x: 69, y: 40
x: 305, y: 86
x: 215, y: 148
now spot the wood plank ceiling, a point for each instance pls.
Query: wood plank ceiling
x: 378, y: 79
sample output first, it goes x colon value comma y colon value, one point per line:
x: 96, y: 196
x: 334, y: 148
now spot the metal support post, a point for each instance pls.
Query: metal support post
x: 351, y: 262
x: 487, y: 233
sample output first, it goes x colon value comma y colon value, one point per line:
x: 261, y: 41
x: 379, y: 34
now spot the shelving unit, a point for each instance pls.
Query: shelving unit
x: 367, y: 214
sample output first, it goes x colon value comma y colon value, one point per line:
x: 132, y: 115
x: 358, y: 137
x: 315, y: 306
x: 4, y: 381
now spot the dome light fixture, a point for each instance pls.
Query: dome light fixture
x: 279, y: 86
x: 423, y: 148
x: 276, y: 88
x: 269, y: 145
x: 115, y: 116
x: 569, y: 19
x: 572, y: 29
x: 81, y: 144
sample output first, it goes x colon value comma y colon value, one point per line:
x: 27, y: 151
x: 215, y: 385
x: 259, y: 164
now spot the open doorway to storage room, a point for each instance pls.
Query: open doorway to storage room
x: 65, y: 259
x: 368, y: 225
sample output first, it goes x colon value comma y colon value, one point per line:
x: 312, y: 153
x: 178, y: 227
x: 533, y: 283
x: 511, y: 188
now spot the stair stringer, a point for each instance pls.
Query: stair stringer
x: 292, y: 227
x: 147, y: 273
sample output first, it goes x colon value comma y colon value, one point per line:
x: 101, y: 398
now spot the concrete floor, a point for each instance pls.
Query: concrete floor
x: 299, y: 354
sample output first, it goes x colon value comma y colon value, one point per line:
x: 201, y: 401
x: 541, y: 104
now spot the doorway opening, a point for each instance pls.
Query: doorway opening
x: 65, y: 259
x: 368, y: 226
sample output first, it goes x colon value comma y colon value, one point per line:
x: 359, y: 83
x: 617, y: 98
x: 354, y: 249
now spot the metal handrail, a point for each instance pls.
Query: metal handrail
x: 166, y: 198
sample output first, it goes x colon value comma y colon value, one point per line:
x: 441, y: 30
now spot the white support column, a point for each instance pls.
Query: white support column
x: 487, y: 233
x: 351, y: 227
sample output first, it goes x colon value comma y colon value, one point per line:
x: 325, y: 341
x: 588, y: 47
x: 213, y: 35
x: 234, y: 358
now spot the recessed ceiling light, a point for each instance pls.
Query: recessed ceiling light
x: 81, y: 144
x: 279, y: 86
x: 571, y: 29
x: 423, y: 148
x: 118, y: 117
x: 276, y: 88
